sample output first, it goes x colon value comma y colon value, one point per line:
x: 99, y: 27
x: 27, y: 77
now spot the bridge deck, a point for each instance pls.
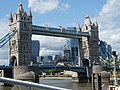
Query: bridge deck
x: 48, y: 31
x: 70, y: 68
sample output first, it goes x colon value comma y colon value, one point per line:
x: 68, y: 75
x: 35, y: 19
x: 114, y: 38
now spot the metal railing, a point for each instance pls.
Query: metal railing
x: 29, y: 85
x: 59, y: 32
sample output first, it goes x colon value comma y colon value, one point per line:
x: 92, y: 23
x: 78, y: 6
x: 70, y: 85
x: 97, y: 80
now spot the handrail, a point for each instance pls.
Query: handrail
x: 60, y: 31
x: 29, y: 84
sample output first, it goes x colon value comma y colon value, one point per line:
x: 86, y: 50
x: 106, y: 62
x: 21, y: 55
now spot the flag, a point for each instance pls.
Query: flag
x: 46, y: 24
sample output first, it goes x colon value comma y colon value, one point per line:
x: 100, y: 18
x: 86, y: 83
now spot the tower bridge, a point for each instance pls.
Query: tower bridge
x: 20, y: 42
x: 70, y: 68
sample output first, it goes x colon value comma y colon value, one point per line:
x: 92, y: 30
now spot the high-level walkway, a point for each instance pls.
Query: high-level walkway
x: 58, y: 32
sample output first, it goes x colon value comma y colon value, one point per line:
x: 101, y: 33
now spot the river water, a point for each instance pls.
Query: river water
x: 64, y: 83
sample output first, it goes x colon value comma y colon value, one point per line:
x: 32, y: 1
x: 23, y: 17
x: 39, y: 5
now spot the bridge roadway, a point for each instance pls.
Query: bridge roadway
x: 58, y: 32
x: 70, y: 68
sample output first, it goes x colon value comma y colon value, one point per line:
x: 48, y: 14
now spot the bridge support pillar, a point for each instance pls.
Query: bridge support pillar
x: 27, y: 73
x: 82, y: 77
x: 99, y: 77
x: 7, y: 72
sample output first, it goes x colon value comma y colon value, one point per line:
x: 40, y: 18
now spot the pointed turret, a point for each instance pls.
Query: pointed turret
x: 11, y: 17
x: 87, y: 21
x: 20, y: 9
x: 78, y: 27
x: 97, y: 24
x: 30, y: 13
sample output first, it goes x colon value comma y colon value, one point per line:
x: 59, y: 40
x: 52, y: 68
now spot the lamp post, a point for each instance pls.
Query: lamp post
x: 115, y: 77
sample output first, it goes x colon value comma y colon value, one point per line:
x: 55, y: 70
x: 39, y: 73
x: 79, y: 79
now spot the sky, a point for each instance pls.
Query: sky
x: 65, y: 13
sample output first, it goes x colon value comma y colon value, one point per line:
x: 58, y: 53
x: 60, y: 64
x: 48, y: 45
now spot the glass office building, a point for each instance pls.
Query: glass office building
x: 35, y: 50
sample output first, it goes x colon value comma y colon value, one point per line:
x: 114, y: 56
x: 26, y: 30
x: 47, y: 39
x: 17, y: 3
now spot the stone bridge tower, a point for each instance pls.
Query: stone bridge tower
x: 89, y: 53
x: 20, y: 44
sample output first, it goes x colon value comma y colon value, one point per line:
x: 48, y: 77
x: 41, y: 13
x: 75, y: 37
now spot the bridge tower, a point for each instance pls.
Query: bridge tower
x: 90, y: 48
x: 20, y: 44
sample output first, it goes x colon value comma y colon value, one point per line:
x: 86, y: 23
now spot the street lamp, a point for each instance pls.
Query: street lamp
x: 114, y: 58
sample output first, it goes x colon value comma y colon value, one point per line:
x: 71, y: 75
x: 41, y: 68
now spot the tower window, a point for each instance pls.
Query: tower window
x: 24, y: 47
x: 72, y: 52
x: 16, y: 47
x: 76, y: 51
x: 24, y: 18
x: 24, y: 56
x: 25, y: 24
x: 24, y: 59
x: 16, y: 16
x: 86, y: 28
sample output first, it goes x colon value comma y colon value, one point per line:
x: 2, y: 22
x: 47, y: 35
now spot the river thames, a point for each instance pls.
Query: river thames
x: 63, y: 83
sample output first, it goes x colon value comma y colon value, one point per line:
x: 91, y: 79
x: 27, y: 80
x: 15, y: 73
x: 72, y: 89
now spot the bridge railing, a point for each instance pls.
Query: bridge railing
x: 29, y: 85
x: 71, y: 68
x: 59, y: 30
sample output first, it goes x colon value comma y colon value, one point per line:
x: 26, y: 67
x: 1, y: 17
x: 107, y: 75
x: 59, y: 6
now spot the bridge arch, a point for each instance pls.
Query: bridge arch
x: 86, y: 62
x: 13, y: 61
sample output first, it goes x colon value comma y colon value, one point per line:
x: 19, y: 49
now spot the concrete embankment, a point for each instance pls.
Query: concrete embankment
x: 54, y: 77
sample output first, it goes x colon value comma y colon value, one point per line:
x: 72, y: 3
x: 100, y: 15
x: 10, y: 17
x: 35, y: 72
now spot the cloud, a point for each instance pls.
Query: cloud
x: 3, y: 27
x: 49, y: 52
x: 109, y: 14
x: 50, y: 45
x: 108, y: 18
x: 64, y: 6
x: 44, y: 6
x: 112, y: 37
x: 4, y: 49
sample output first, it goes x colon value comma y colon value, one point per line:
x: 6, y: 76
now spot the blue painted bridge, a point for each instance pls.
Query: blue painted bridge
x: 58, y: 32
x: 70, y: 68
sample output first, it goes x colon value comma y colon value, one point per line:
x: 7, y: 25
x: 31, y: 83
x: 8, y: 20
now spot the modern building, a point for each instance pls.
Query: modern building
x: 67, y: 55
x: 74, y: 50
x: 58, y: 58
x: 45, y: 60
x: 35, y: 50
x: 73, y: 47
